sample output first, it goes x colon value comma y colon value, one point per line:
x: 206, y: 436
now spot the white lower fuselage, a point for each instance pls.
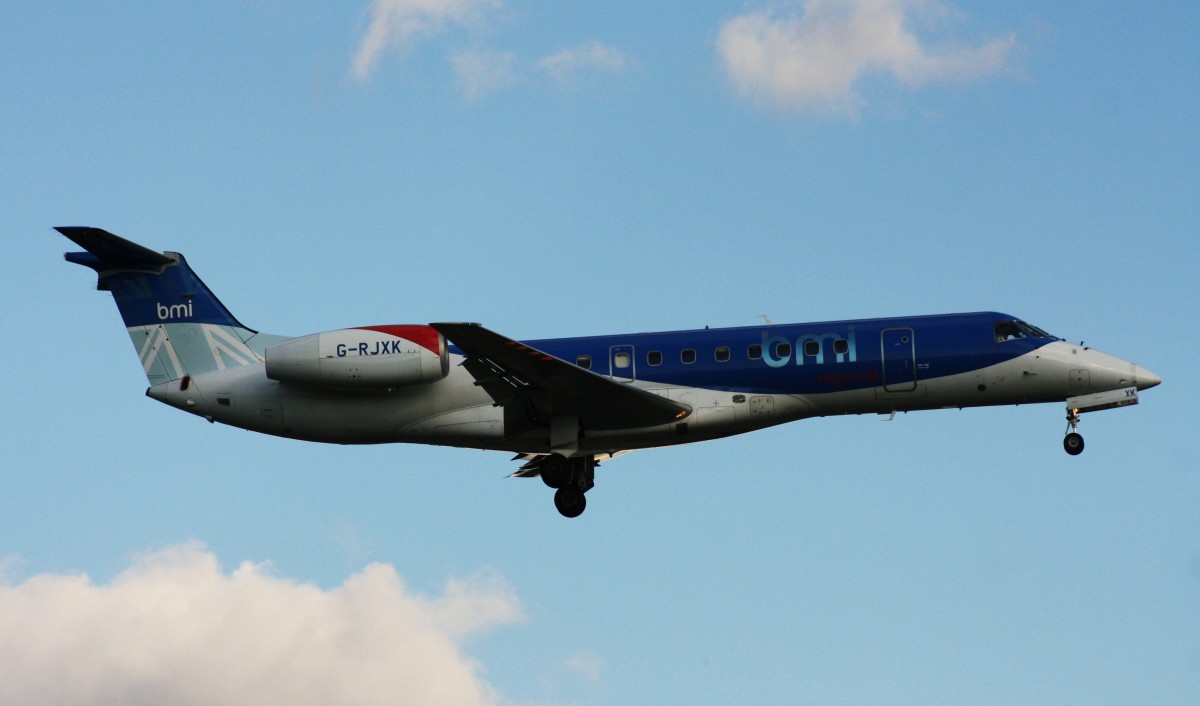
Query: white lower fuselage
x: 455, y: 411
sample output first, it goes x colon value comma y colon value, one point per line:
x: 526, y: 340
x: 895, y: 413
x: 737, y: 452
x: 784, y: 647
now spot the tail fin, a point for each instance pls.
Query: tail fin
x: 177, y: 326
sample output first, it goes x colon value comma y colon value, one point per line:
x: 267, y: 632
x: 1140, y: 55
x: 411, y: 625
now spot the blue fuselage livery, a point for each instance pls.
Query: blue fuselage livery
x: 565, y: 405
x: 805, y: 358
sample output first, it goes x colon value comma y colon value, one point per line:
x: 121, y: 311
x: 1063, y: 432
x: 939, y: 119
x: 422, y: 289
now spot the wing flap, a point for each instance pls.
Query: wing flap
x: 532, y: 468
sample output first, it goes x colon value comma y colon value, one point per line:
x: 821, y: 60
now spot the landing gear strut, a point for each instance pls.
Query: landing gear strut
x: 1073, y: 441
x: 571, y: 478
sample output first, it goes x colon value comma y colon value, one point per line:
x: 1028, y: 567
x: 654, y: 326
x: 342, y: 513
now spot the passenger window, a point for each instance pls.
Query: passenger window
x: 841, y: 346
x: 687, y: 356
x: 584, y: 361
x: 654, y: 358
x: 812, y: 349
x: 621, y: 360
x: 783, y: 350
x: 754, y: 352
x: 721, y: 354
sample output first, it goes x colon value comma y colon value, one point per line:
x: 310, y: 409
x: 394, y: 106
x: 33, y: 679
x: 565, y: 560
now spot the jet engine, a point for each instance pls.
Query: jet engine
x: 365, y: 357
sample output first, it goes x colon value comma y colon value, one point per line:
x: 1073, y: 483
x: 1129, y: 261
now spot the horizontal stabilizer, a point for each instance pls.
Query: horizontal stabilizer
x: 110, y: 250
x: 152, y: 289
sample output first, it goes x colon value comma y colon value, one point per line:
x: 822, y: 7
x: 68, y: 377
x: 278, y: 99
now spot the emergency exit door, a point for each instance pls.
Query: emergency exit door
x: 621, y: 365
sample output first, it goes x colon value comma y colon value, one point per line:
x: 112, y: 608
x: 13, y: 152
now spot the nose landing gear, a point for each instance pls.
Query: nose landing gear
x: 1073, y: 441
x: 1109, y: 399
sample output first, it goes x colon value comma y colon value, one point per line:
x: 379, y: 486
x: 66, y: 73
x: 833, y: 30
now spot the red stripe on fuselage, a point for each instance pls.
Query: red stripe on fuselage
x: 420, y: 334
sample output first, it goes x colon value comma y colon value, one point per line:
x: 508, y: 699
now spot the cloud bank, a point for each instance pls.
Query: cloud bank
x: 809, y: 56
x: 175, y: 628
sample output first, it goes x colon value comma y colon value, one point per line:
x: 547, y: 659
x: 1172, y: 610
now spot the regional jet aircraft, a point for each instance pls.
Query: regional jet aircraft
x: 565, y: 405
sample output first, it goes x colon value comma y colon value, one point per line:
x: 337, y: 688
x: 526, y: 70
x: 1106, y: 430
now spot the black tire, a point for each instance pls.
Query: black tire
x: 570, y: 502
x: 1073, y: 443
x: 555, y: 471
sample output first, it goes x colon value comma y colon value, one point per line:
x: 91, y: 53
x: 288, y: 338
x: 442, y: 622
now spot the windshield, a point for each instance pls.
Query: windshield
x: 1010, y: 330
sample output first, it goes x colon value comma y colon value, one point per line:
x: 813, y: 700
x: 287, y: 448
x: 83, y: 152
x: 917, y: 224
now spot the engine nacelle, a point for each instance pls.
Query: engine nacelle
x: 370, y: 356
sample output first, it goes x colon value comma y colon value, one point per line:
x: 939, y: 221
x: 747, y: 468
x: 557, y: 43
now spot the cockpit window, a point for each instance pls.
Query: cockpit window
x: 1034, y: 330
x: 1006, y: 331
x: 1010, y: 330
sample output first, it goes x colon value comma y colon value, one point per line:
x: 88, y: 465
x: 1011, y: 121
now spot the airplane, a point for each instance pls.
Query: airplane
x: 564, y: 406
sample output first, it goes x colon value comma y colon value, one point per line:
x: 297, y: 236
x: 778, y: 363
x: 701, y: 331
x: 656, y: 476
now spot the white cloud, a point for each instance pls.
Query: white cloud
x: 175, y: 628
x: 398, y: 23
x: 482, y: 73
x: 10, y: 564
x: 348, y: 539
x: 586, y: 664
x: 590, y: 56
x: 811, y: 60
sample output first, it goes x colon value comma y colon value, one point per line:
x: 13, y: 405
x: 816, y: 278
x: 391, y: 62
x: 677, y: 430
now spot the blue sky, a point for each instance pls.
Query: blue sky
x: 561, y: 169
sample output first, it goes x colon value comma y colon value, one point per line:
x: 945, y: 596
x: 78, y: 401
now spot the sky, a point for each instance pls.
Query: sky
x: 559, y: 169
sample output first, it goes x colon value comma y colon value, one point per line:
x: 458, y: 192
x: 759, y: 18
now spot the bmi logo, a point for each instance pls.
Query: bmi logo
x: 777, y: 351
x: 175, y: 311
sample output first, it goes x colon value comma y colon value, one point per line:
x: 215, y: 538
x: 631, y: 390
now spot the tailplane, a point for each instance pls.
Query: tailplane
x: 177, y: 325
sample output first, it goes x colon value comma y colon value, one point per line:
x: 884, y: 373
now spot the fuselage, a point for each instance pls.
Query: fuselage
x: 734, y: 380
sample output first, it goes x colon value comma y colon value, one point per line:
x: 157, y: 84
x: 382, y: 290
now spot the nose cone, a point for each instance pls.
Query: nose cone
x: 1144, y: 379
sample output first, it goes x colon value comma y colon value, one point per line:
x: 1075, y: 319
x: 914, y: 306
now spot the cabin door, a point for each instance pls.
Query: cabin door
x: 899, y: 360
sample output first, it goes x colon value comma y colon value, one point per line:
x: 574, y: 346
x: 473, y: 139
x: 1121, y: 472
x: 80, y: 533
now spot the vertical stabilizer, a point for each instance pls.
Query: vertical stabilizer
x: 177, y: 325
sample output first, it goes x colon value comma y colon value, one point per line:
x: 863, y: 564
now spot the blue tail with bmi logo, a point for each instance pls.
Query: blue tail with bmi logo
x: 177, y: 325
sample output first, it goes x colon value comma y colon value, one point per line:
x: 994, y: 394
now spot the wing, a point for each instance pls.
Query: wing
x: 510, y: 372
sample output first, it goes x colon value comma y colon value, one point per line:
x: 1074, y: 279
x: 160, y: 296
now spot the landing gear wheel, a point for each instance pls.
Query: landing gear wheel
x: 556, y: 471
x: 570, y: 502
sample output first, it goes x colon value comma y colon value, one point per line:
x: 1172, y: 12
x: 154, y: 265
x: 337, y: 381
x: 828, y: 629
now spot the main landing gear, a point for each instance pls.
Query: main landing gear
x: 570, y: 478
x: 1073, y: 441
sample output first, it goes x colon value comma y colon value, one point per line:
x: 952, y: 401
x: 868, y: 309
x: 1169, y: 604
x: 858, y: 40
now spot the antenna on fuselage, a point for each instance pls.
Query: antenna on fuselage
x: 766, y: 318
